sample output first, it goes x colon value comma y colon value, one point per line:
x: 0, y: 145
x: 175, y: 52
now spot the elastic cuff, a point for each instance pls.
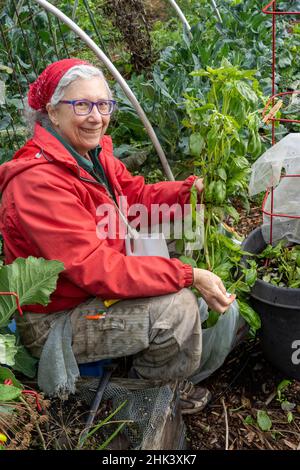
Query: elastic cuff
x: 188, y: 275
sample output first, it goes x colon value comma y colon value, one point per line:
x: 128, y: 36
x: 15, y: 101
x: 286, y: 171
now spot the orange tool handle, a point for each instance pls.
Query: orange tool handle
x: 96, y: 317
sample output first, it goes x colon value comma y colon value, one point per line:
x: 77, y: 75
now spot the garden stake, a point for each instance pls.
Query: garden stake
x: 104, y: 379
x: 275, y: 13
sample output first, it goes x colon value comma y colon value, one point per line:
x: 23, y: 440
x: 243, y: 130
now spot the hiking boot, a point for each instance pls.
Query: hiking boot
x: 193, y: 399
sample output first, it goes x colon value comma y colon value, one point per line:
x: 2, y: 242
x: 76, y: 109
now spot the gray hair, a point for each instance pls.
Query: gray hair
x: 78, y: 71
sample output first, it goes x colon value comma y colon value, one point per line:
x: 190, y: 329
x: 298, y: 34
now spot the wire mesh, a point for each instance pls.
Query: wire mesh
x: 287, y: 102
x: 145, y: 409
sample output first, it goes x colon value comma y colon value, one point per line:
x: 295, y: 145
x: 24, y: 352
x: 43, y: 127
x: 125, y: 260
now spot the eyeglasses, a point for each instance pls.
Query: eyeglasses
x: 84, y: 107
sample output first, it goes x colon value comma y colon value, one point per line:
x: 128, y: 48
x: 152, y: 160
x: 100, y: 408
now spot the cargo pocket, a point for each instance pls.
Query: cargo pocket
x: 34, y: 329
x: 123, y: 332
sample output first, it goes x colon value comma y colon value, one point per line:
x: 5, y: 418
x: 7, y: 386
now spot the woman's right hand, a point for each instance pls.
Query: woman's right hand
x: 212, y: 290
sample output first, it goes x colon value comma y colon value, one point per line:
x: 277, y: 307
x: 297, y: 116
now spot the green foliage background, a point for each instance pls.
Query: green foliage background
x: 244, y: 38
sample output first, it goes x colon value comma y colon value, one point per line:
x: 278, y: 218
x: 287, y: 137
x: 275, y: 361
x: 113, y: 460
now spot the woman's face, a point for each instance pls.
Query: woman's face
x: 83, y: 133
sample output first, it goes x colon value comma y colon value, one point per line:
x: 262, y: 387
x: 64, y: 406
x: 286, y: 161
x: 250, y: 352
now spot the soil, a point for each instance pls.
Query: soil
x: 249, y: 220
x: 243, y: 388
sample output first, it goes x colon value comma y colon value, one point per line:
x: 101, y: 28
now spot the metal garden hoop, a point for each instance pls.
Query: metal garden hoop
x: 118, y: 77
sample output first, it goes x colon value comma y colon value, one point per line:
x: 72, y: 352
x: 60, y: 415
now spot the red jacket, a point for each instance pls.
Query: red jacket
x: 48, y: 211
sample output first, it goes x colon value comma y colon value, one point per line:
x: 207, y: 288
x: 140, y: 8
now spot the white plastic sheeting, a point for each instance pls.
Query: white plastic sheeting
x: 283, y: 157
x: 220, y: 339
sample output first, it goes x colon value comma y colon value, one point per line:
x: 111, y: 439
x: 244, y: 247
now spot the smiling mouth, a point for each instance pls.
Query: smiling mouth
x: 92, y: 131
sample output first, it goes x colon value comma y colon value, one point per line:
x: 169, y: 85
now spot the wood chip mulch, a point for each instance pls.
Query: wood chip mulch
x: 249, y: 220
x: 245, y: 385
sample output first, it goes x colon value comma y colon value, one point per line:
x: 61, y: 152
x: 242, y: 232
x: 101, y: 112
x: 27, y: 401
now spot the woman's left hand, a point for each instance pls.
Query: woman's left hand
x: 199, y: 185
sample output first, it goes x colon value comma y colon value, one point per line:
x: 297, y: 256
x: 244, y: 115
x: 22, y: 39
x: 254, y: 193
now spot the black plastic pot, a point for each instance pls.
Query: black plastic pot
x: 279, y: 310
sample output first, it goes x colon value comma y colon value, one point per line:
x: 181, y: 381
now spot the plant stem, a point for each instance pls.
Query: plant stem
x: 206, y: 251
x: 36, y: 424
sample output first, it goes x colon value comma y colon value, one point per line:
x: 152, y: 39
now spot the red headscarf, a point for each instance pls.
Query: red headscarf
x: 41, y: 91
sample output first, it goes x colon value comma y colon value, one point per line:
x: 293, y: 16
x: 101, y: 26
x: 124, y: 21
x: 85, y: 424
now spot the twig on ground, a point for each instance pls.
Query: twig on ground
x: 270, y: 398
x: 226, y: 424
x: 269, y: 444
x: 286, y: 430
x: 294, y: 421
x: 232, y: 444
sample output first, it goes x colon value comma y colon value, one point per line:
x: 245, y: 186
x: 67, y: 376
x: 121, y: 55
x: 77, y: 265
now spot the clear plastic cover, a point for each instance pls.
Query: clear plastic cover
x: 282, y: 158
x: 266, y: 171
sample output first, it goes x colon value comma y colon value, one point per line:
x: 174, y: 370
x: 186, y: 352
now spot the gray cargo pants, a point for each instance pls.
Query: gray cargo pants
x: 162, y: 334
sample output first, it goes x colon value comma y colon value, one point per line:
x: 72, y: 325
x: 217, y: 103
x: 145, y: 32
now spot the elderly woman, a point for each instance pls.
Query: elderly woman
x: 50, y: 194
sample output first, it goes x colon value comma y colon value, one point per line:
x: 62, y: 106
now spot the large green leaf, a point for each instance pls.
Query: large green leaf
x: 188, y: 260
x: 33, y: 279
x: 249, y: 315
x: 197, y: 144
x: 9, y: 392
x: 223, y: 270
x: 8, y: 349
x: 25, y: 363
x: 6, y: 373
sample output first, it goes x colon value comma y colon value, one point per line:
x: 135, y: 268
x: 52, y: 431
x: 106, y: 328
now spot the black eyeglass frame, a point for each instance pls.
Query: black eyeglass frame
x: 91, y: 105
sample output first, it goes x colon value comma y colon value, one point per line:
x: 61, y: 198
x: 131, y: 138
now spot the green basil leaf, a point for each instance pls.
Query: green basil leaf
x: 263, y: 420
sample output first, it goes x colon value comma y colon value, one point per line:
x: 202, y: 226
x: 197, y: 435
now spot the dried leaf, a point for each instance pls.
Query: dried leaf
x: 246, y: 402
x: 250, y: 436
x: 290, y: 444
